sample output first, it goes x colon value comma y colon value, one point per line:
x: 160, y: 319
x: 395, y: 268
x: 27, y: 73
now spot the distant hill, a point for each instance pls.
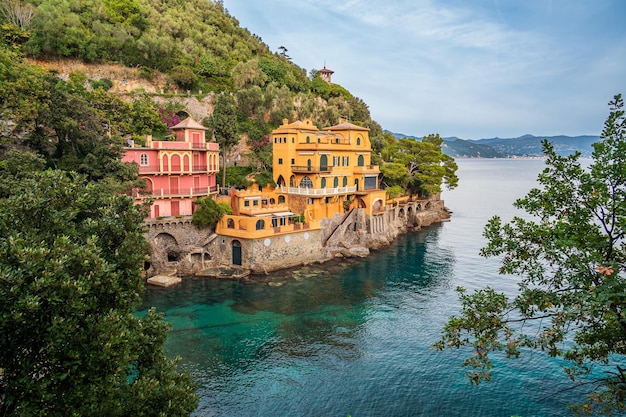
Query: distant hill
x: 523, y: 146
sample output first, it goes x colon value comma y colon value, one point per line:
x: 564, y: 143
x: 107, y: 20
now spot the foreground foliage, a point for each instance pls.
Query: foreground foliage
x: 572, y: 262
x: 70, y: 276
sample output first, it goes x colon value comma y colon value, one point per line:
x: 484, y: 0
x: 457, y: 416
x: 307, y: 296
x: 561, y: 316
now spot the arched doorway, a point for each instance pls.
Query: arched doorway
x: 236, y: 245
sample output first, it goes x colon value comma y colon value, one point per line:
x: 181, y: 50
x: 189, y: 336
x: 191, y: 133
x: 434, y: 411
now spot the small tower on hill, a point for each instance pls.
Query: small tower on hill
x: 325, y: 74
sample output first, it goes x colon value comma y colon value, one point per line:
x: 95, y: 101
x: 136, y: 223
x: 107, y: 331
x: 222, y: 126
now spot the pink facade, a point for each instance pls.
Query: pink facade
x: 177, y: 172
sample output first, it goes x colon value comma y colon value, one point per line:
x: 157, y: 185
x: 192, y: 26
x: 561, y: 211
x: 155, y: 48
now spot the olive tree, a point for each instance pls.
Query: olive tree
x: 570, y: 260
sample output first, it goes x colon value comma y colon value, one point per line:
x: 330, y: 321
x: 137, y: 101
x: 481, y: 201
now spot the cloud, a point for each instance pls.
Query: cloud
x: 475, y: 68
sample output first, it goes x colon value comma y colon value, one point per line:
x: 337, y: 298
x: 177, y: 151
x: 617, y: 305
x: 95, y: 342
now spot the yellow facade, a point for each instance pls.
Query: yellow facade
x: 319, y: 173
x: 331, y: 168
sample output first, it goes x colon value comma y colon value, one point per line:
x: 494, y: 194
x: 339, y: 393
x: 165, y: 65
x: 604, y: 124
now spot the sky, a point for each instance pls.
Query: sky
x: 466, y: 68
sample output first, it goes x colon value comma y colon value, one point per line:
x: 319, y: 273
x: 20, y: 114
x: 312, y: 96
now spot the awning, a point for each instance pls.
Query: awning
x: 283, y: 214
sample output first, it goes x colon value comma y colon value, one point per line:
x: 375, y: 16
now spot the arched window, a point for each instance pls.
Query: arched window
x: 361, y: 161
x: 358, y: 141
x: 143, y: 159
x: 306, y: 183
x: 336, y: 182
x: 308, y: 139
x: 323, y: 163
x: 260, y: 224
x: 230, y: 224
x: 323, y: 182
x: 345, y: 181
x: 308, y: 164
x: 281, y: 199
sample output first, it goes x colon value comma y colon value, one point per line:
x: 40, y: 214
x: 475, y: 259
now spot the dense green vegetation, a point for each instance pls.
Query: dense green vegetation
x: 201, y: 48
x: 571, y: 257
x: 70, y: 260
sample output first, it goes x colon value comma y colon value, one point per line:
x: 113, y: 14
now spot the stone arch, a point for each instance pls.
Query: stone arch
x: 169, y: 245
x: 378, y: 205
x: 401, y: 215
x: 292, y: 181
x: 280, y: 181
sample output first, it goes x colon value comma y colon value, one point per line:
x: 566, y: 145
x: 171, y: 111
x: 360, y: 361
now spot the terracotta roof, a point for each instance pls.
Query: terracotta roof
x: 189, y: 123
x: 346, y: 126
x: 326, y: 70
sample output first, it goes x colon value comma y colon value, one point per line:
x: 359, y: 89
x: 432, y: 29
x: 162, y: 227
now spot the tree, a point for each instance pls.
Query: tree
x: 427, y: 167
x: 223, y: 123
x: 70, y: 261
x: 571, y: 262
x: 209, y: 212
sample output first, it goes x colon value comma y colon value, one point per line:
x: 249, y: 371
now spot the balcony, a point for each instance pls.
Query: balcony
x: 367, y: 169
x: 319, y: 192
x: 308, y: 169
x: 146, y: 170
x: 180, y: 193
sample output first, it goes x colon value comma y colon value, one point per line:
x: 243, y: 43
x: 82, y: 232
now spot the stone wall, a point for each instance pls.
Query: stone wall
x: 178, y: 247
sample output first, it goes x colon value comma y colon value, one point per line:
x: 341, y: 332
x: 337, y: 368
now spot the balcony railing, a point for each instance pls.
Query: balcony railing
x: 185, y: 192
x: 366, y: 169
x: 195, y: 170
x: 321, y: 192
x: 303, y: 169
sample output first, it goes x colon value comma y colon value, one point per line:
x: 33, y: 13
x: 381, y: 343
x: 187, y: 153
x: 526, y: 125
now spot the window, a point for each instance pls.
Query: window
x: 143, y: 159
x: 281, y: 199
x: 361, y: 161
x: 260, y: 225
x: 255, y: 203
x: 306, y: 183
x: 231, y: 223
x: 293, y: 161
x: 280, y: 161
x: 336, y: 182
x: 246, y: 203
x: 358, y: 141
x: 335, y: 161
x: 369, y: 183
x: 293, y: 140
x: 345, y: 181
x: 308, y: 139
x: 323, y: 182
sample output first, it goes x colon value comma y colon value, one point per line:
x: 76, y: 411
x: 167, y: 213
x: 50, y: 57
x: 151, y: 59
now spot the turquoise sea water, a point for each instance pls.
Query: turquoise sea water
x: 354, y: 336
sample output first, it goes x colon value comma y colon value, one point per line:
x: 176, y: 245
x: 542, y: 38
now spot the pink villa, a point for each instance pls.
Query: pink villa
x: 176, y: 172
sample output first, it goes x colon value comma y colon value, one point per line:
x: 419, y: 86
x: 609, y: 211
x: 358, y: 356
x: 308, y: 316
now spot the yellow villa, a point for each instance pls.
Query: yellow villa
x: 319, y: 173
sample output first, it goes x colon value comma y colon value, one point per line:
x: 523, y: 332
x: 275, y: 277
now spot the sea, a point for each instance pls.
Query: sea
x: 353, y: 337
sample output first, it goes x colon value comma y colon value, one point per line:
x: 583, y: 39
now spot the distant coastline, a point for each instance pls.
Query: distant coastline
x: 527, y: 146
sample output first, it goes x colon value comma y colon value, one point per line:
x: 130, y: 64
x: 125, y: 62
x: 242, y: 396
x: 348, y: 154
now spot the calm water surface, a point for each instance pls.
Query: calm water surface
x: 353, y: 337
